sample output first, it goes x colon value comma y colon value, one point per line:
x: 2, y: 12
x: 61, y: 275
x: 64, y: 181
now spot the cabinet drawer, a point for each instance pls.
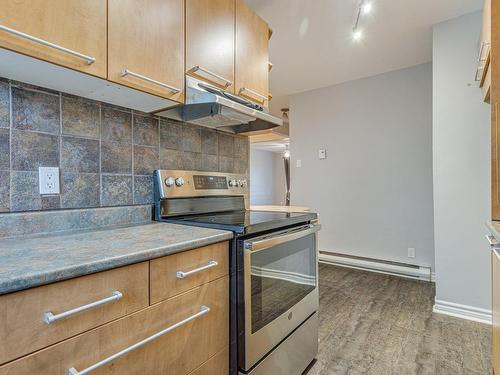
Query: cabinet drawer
x: 23, y: 329
x: 70, y: 33
x: 217, y: 365
x: 198, y: 266
x: 178, y: 351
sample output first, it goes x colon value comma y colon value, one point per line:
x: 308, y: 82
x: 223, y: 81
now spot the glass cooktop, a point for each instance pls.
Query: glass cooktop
x: 246, y: 222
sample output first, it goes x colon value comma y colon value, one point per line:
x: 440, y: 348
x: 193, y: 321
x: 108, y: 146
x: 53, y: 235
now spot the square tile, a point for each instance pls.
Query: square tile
x: 143, y: 190
x: 226, y: 145
x: 170, y: 159
x: 191, y: 138
x: 79, y: 155
x: 35, y: 110
x: 4, y: 105
x: 146, y: 160
x: 4, y: 191
x: 209, y: 142
x: 191, y: 161
x: 226, y: 164
x: 31, y: 150
x: 116, y: 125
x: 4, y: 149
x: 80, y: 117
x: 209, y: 163
x: 241, y: 146
x: 146, y: 130
x: 116, y: 190
x: 240, y: 166
x: 170, y: 134
x: 24, y: 190
x: 50, y: 202
x: 116, y: 157
x: 79, y: 190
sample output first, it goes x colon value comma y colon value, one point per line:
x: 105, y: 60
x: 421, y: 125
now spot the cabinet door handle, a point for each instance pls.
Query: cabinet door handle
x: 480, y: 58
x: 263, y: 97
x: 226, y: 81
x: 50, y: 318
x: 73, y: 371
x: 126, y: 72
x: 182, y: 274
x: 88, y: 59
x: 491, y: 240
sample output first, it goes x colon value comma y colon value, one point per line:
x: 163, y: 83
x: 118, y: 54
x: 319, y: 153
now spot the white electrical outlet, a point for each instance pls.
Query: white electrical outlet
x: 411, y: 252
x: 298, y: 163
x: 48, y: 178
x: 322, y: 154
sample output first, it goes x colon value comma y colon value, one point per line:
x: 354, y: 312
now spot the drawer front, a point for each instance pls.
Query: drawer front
x: 198, y: 266
x: 23, y: 329
x: 217, y: 365
x: 178, y: 351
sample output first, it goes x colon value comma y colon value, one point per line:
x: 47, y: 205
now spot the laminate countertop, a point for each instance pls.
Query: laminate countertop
x: 30, y: 261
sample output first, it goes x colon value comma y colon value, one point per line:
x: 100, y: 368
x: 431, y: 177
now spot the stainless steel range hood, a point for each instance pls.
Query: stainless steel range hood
x: 207, y: 106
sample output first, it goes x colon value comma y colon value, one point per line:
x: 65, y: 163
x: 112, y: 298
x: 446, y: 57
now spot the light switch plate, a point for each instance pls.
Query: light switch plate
x: 322, y: 154
x: 298, y: 163
x: 48, y: 180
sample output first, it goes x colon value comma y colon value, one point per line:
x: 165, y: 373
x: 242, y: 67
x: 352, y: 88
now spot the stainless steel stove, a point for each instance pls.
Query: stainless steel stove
x: 273, y: 268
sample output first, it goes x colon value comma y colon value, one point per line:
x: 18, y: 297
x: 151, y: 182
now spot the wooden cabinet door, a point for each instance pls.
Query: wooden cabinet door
x: 181, y: 346
x: 75, y: 25
x: 146, y: 46
x: 495, y: 278
x: 495, y: 158
x: 210, y: 41
x: 251, y: 55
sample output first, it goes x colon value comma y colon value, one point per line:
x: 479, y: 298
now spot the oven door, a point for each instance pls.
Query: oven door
x: 280, y: 287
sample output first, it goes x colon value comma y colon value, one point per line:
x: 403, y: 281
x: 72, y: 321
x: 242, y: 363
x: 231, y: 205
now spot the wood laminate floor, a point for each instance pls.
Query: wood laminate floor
x: 377, y: 324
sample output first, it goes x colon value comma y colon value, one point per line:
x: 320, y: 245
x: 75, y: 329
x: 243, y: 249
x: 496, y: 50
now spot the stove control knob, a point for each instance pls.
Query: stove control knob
x: 243, y: 183
x: 240, y: 183
x: 169, y: 181
x: 179, y: 181
x: 233, y: 183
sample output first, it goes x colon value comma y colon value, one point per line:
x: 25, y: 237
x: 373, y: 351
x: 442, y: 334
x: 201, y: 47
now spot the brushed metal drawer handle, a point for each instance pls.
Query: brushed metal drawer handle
x: 263, y: 97
x: 73, y: 371
x: 50, y: 318
x: 126, y: 72
x: 226, y: 81
x: 88, y: 59
x: 491, y: 240
x: 182, y: 274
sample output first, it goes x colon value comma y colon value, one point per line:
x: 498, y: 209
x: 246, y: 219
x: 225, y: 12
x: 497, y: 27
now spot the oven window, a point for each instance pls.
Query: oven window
x: 281, y: 276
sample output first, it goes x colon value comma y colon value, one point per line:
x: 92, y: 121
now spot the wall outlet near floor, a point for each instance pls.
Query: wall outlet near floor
x: 48, y: 180
x: 298, y: 163
x: 411, y: 252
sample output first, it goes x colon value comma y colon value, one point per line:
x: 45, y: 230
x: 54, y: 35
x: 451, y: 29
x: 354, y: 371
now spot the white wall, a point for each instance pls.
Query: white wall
x: 374, y: 190
x: 461, y: 150
x: 267, y: 177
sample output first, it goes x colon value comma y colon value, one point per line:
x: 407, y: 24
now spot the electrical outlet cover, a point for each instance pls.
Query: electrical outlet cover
x: 411, y: 252
x: 48, y: 179
x: 322, y: 154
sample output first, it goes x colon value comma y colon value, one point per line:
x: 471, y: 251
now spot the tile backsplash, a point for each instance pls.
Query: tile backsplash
x: 106, y: 154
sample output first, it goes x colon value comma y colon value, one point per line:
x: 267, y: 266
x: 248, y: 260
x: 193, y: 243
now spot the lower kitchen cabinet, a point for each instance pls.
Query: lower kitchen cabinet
x: 186, y: 333
x: 198, y: 320
x: 495, y: 272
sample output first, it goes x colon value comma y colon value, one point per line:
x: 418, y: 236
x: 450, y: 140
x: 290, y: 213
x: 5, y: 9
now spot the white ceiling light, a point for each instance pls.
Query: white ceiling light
x: 357, y: 35
x: 365, y: 7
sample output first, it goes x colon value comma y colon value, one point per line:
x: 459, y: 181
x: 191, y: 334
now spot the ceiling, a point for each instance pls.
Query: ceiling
x: 312, y: 43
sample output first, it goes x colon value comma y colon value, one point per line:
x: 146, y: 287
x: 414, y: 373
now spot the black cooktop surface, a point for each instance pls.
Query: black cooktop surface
x: 246, y: 222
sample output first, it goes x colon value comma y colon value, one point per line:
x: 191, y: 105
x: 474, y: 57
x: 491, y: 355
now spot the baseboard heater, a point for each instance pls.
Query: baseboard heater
x: 376, y: 265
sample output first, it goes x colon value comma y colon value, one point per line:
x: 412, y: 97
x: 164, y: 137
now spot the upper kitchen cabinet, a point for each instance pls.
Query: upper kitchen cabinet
x: 251, y: 55
x: 70, y: 33
x: 210, y: 41
x: 146, y: 46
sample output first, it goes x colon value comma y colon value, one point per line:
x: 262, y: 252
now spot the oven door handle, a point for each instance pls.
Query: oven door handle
x: 255, y: 246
